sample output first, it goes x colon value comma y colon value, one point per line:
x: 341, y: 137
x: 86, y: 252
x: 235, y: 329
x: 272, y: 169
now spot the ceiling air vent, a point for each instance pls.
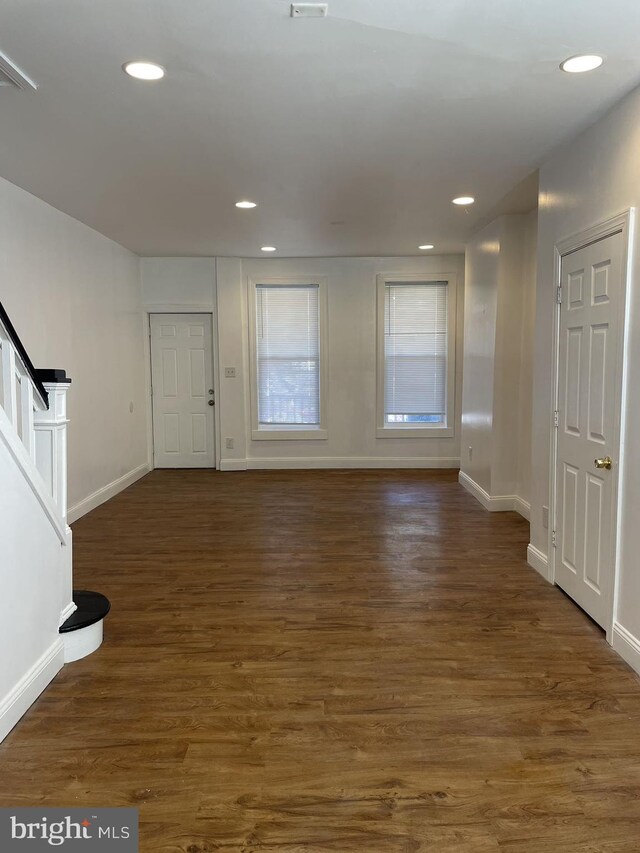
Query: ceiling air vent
x: 11, y: 75
x: 309, y: 10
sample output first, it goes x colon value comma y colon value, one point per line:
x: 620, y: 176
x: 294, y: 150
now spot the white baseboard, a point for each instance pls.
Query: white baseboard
x: 315, y: 462
x: 495, y: 503
x: 627, y: 645
x: 18, y: 701
x: 523, y: 507
x: 233, y: 464
x: 538, y: 561
x: 68, y: 610
x: 106, y: 493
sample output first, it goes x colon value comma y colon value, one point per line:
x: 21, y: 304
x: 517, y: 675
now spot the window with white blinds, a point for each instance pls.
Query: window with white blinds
x: 287, y: 329
x: 415, y: 353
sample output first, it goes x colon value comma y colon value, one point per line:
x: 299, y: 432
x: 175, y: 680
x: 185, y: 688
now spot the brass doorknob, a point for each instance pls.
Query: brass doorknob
x: 605, y: 462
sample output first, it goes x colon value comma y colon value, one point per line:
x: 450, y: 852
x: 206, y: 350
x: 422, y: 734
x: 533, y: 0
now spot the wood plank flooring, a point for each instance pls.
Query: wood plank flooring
x: 333, y: 661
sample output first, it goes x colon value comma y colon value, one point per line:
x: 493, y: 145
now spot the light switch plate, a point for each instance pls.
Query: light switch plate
x: 230, y: 373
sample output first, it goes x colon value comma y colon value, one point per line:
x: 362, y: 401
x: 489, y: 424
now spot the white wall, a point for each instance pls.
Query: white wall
x: 74, y: 299
x: 480, y: 319
x: 498, y: 351
x: 594, y: 177
x: 188, y: 283
x: 31, y: 569
x: 525, y: 380
x: 352, y: 356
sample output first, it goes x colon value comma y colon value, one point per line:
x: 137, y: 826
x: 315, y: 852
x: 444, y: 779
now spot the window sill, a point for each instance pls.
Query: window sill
x: 414, y: 432
x: 288, y: 434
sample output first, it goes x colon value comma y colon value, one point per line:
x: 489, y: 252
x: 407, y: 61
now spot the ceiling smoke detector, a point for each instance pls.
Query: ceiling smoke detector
x: 309, y: 10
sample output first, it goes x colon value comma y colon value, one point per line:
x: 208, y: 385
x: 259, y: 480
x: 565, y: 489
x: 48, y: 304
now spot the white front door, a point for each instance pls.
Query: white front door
x: 182, y: 391
x: 588, y: 424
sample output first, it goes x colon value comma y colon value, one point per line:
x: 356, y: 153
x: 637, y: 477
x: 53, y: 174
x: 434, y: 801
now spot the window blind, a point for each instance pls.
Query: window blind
x: 288, y: 351
x: 415, y: 352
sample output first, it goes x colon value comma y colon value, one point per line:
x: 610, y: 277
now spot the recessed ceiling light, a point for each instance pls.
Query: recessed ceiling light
x: 246, y: 205
x: 143, y: 70
x: 464, y: 200
x: 579, y: 64
x: 268, y: 249
x: 426, y: 246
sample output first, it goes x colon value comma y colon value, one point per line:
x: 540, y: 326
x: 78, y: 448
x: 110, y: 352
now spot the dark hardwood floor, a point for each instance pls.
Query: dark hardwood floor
x: 333, y: 661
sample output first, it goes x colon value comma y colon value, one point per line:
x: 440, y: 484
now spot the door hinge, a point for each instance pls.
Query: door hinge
x: 556, y: 419
x: 553, y: 538
x: 559, y: 294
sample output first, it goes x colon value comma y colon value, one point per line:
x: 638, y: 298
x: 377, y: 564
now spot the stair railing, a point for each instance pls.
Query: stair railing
x: 34, y: 403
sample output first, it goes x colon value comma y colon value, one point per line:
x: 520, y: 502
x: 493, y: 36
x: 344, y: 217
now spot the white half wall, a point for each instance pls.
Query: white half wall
x: 74, y: 298
x: 31, y: 580
x: 590, y: 179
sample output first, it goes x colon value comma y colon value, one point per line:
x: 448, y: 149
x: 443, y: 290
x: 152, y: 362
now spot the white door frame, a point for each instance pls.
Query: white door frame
x: 183, y: 309
x: 624, y: 224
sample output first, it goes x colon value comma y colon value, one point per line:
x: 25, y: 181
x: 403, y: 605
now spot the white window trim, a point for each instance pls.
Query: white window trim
x: 428, y: 430
x: 278, y: 432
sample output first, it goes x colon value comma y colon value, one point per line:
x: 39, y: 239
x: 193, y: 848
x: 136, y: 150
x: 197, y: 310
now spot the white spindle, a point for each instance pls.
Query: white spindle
x: 9, y: 381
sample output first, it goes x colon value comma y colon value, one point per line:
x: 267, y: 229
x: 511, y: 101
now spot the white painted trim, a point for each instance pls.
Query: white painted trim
x: 215, y: 376
x: 596, y: 232
x: 538, y: 561
x: 82, y: 642
x: 233, y: 464
x: 67, y: 611
x: 523, y: 507
x: 354, y: 462
x: 626, y: 645
x: 178, y: 308
x: 18, y: 701
x: 106, y: 493
x: 146, y: 336
x: 290, y: 434
x: 624, y: 390
x: 9, y: 437
x: 315, y: 462
x: 495, y: 503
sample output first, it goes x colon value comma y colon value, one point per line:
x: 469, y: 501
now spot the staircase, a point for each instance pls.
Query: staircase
x: 36, y: 590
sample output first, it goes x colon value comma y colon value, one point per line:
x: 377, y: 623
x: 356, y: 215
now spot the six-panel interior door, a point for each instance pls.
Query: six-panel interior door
x: 182, y: 383
x: 587, y: 425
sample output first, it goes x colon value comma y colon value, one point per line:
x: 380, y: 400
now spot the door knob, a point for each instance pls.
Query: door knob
x: 211, y: 403
x: 605, y: 462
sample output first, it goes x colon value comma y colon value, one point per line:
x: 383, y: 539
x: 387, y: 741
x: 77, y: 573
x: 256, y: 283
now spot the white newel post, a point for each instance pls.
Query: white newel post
x: 51, y: 460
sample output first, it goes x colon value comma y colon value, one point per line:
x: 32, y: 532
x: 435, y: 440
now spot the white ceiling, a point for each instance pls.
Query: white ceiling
x: 352, y: 133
